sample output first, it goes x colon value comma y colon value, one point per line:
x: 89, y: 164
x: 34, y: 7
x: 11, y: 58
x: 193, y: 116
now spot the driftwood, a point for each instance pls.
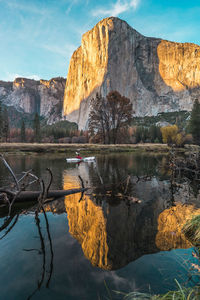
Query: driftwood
x: 29, y: 196
x: 21, y: 195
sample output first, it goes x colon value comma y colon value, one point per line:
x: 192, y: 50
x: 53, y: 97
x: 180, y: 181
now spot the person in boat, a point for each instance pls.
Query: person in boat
x: 78, y: 155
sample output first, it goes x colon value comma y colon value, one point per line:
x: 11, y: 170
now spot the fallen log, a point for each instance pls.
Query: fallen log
x: 31, y: 196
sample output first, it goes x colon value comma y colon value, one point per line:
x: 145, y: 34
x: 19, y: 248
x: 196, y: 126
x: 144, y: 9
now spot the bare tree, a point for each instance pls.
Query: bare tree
x: 108, y: 116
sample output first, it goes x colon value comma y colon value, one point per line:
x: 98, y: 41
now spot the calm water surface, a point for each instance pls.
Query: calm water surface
x: 123, y: 234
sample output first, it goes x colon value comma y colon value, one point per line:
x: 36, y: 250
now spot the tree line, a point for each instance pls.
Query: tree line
x: 109, y: 122
x: 4, y: 123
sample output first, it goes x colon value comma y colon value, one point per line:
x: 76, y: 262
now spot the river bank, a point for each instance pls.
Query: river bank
x: 63, y: 148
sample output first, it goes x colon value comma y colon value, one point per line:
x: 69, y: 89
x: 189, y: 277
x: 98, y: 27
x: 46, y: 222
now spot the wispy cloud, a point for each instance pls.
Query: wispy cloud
x: 65, y: 50
x: 117, y: 8
x: 72, y: 3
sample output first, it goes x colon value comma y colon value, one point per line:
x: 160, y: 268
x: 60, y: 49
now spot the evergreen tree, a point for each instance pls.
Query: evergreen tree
x: 36, y: 128
x: 194, y: 125
x: 153, y: 133
x: 23, y: 132
x: 6, y: 125
x: 1, y: 121
x: 158, y: 135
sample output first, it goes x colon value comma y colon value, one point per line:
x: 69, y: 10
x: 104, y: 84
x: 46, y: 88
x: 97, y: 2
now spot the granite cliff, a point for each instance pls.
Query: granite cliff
x: 30, y: 96
x: 155, y: 74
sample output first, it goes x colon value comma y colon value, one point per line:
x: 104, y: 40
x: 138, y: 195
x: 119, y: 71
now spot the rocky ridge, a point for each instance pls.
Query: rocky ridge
x: 30, y: 96
x: 155, y: 74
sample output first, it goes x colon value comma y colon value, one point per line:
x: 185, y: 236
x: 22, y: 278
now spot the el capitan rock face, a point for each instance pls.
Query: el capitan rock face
x: 30, y: 96
x: 156, y: 75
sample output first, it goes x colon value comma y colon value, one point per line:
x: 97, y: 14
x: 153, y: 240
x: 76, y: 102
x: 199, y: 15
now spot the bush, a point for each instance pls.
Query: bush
x: 180, y: 139
x: 188, y: 139
x: 169, y: 134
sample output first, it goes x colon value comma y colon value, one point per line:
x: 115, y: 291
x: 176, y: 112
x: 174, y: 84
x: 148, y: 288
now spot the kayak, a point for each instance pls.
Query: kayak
x: 75, y: 160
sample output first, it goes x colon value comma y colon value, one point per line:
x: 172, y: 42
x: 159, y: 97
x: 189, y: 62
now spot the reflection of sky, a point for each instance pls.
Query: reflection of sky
x: 73, y: 275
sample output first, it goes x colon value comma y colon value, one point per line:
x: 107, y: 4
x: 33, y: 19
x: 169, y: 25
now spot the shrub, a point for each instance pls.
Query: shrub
x: 169, y: 134
x: 180, y: 139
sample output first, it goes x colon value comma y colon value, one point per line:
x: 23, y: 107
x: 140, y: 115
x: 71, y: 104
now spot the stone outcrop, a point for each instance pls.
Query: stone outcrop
x: 31, y: 96
x: 155, y: 74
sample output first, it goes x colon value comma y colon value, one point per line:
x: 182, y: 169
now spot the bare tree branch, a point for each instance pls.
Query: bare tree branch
x: 10, y: 170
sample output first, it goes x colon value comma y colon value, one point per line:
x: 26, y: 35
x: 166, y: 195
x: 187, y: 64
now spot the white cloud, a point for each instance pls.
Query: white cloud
x: 72, y: 3
x: 117, y: 8
x: 64, y: 50
x: 13, y: 76
x: 134, y: 3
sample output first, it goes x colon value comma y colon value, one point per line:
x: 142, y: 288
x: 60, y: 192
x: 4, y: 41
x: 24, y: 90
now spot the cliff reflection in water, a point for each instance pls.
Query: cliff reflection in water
x: 170, y: 224
x: 114, y: 233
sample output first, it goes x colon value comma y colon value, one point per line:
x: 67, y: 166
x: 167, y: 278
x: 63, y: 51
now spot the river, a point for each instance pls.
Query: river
x: 122, y: 235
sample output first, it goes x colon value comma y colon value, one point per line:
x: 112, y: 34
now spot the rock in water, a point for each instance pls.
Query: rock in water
x: 155, y: 74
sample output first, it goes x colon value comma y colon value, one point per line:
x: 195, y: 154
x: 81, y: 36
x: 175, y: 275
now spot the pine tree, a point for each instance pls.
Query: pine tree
x: 6, y: 125
x: 152, y: 133
x: 1, y: 121
x: 36, y: 128
x: 23, y: 132
x: 194, y: 125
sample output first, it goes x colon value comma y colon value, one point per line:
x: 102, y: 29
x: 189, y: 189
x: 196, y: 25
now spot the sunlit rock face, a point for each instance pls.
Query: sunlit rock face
x: 170, y: 224
x: 30, y: 96
x: 156, y: 75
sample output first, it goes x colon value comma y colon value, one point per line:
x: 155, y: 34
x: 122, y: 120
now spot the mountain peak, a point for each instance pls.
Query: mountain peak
x: 156, y: 75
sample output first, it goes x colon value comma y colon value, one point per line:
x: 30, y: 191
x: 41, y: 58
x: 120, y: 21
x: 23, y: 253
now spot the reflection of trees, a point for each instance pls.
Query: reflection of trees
x: 114, y: 168
x: 37, y: 164
x: 184, y: 171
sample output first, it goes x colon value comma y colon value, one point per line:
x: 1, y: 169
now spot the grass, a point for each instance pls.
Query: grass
x: 67, y: 148
x: 180, y: 294
x: 192, y: 230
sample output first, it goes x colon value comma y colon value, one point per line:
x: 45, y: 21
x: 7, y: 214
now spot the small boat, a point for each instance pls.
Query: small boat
x: 75, y: 160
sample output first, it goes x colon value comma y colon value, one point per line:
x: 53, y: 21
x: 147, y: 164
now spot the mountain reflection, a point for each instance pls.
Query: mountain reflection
x: 170, y: 224
x: 112, y: 234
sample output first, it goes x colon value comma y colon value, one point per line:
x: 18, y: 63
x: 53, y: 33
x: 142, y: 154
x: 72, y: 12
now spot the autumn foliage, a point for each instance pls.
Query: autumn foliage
x: 169, y: 134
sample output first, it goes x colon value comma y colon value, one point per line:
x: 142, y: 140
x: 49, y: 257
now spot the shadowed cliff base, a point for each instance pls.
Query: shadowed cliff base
x: 156, y: 75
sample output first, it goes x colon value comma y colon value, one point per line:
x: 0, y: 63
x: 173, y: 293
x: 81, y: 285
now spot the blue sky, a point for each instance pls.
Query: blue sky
x: 38, y: 37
